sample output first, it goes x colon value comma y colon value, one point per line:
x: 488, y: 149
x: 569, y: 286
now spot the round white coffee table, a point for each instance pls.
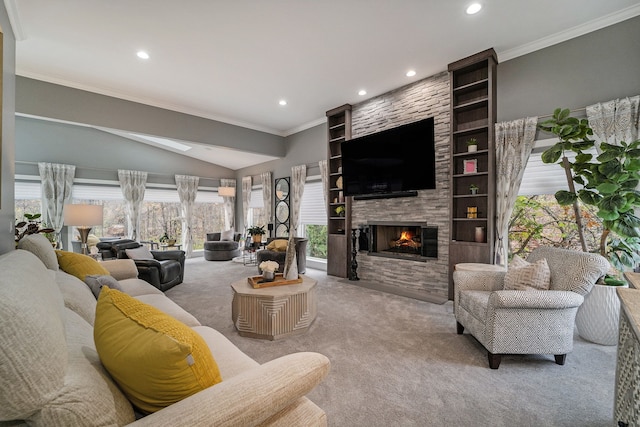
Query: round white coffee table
x: 274, y: 312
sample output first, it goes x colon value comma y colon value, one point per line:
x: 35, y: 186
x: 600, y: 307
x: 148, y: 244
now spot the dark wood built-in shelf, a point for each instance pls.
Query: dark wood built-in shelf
x: 473, y: 115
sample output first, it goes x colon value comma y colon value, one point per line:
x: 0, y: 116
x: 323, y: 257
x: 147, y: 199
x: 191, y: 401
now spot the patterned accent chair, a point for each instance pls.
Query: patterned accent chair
x: 527, y: 321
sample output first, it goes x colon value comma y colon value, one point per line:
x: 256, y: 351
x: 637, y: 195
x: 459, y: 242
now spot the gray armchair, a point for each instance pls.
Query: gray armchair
x: 280, y: 257
x: 527, y: 322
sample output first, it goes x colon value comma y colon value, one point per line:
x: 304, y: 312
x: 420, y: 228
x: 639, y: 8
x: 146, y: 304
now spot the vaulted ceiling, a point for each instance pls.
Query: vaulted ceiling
x: 234, y: 61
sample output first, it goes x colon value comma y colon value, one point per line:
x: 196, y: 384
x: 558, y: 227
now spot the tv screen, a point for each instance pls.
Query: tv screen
x: 391, y: 161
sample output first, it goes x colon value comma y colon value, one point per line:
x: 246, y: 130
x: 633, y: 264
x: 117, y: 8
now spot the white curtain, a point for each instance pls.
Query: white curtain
x: 57, y: 186
x: 324, y: 174
x: 229, y: 203
x: 614, y: 121
x: 514, y: 142
x: 267, y: 195
x: 246, y: 197
x: 132, y: 184
x: 187, y: 191
x: 298, y: 178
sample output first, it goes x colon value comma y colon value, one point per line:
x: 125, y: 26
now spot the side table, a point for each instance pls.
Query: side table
x: 275, y: 312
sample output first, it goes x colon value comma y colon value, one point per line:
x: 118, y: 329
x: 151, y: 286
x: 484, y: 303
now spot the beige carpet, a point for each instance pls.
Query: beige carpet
x: 397, y: 361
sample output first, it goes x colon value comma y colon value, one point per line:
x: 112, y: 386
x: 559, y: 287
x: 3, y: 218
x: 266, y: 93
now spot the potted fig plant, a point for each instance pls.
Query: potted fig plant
x: 607, y: 181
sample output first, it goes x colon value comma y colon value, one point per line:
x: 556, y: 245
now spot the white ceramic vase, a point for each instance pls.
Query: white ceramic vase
x: 268, y: 276
x: 472, y: 148
x: 598, y: 316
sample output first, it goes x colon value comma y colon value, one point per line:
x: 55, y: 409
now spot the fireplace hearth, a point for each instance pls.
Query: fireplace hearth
x: 408, y: 240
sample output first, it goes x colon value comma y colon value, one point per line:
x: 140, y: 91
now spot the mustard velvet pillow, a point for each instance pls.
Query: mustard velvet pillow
x: 278, y: 245
x: 79, y: 265
x: 155, y: 359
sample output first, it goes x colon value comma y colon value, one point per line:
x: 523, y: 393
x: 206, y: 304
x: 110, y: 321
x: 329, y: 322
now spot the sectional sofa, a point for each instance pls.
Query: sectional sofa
x: 52, y: 374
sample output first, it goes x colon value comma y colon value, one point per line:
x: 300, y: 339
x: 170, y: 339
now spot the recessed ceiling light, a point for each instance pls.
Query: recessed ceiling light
x: 142, y: 54
x: 474, y: 8
x: 282, y: 102
x: 411, y: 73
x: 362, y: 92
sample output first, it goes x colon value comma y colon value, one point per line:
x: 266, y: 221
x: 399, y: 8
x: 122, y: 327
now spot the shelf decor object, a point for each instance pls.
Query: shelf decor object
x: 470, y: 166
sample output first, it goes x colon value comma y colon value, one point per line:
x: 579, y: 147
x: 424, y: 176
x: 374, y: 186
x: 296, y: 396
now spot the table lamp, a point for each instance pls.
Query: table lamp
x: 83, y: 217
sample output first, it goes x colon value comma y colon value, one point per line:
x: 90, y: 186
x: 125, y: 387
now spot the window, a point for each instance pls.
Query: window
x: 256, y: 214
x: 313, y: 219
x: 160, y: 210
x: 537, y: 218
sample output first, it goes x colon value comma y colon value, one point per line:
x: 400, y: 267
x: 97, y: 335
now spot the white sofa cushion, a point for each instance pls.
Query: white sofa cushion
x: 41, y: 247
x: 88, y: 396
x: 32, y: 334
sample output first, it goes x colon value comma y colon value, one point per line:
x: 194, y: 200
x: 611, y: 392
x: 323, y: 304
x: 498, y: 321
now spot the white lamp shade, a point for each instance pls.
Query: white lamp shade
x: 227, y: 191
x: 83, y: 215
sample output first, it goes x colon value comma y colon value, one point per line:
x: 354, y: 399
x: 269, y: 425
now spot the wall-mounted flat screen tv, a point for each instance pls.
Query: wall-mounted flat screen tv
x: 389, y: 162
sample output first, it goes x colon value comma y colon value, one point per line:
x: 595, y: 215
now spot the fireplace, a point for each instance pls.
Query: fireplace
x: 408, y: 240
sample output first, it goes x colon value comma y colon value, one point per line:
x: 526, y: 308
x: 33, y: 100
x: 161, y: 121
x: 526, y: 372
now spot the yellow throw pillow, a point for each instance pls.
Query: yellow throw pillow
x: 155, y: 359
x: 278, y: 245
x: 79, y: 265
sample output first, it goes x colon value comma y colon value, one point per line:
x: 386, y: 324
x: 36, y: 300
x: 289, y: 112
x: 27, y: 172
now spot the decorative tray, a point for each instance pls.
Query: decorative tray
x: 258, y: 281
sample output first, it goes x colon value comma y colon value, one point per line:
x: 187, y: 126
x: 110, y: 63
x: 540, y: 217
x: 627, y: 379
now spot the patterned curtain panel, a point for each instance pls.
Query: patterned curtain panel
x: 246, y: 197
x: 57, y: 186
x: 267, y: 195
x: 187, y: 191
x: 614, y: 121
x: 514, y: 142
x: 229, y: 203
x: 298, y: 178
x: 324, y: 174
x: 132, y: 184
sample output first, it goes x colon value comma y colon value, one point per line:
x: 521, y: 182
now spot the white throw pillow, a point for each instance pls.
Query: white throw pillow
x: 139, y: 253
x: 525, y: 276
x: 227, y: 235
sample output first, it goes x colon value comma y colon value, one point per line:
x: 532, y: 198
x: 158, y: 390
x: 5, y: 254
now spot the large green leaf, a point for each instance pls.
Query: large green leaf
x: 607, y: 188
x: 608, y: 215
x: 552, y: 154
x: 612, y: 202
x: 565, y: 197
x: 610, y: 168
x: 583, y: 158
x: 587, y: 197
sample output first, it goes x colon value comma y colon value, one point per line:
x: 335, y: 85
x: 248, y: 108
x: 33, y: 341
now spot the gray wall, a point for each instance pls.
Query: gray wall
x: 42, y: 99
x: 596, y: 67
x: 99, y: 155
x: 7, y: 211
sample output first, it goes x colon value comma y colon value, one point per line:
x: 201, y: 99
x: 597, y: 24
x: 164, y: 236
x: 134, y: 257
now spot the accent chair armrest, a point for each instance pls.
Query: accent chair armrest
x: 249, y: 398
x: 478, y: 280
x: 544, y: 300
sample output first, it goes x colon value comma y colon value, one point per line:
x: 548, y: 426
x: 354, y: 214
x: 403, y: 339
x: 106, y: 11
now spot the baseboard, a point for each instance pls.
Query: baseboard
x: 395, y: 291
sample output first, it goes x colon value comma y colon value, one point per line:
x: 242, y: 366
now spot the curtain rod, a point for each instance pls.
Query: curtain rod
x: 582, y: 110
x: 116, y: 171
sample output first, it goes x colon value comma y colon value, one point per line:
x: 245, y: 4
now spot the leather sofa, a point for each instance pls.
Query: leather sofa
x: 280, y: 256
x: 164, y: 271
x: 216, y: 249
x: 52, y: 373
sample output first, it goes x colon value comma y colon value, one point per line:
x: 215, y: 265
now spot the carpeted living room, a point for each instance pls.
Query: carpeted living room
x: 200, y: 128
x: 397, y: 361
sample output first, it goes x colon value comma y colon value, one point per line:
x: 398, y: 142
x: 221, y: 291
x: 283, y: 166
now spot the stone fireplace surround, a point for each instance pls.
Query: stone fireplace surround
x: 425, y: 279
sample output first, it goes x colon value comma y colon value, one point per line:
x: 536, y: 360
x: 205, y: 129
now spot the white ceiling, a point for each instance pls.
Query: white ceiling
x: 234, y: 60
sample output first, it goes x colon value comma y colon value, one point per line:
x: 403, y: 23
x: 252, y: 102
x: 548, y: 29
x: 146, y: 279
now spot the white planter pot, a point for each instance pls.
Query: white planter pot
x: 472, y: 148
x: 598, y: 316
